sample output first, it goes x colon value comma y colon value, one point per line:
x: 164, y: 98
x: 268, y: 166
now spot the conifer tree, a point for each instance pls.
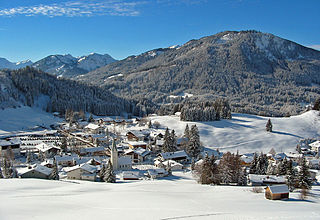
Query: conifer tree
x: 90, y: 119
x: 262, y: 164
x: 316, y: 105
x: 29, y: 157
x: 187, y: 132
x: 173, y: 141
x: 166, y: 143
x: 55, y: 173
x: 1, y: 175
x: 194, y: 147
x: 102, y: 172
x: 253, y: 166
x: 304, y: 181
x: 291, y: 176
x: 109, y: 175
x: 269, y: 126
x: 206, y: 171
x: 271, y: 169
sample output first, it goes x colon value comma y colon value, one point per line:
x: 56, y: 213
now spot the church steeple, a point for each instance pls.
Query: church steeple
x: 114, y: 155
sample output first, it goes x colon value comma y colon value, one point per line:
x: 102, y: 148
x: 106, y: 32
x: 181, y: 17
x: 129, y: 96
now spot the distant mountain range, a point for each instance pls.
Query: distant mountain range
x: 258, y: 72
x: 6, y: 64
x: 65, y: 66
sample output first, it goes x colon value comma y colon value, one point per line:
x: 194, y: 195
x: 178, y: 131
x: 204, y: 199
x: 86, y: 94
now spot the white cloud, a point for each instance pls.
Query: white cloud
x: 78, y: 9
x: 317, y: 46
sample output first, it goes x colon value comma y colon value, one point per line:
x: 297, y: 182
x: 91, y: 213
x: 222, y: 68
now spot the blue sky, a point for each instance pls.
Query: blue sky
x: 33, y: 29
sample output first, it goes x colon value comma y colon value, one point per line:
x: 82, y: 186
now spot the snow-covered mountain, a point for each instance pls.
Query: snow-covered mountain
x: 6, y: 64
x: 68, y: 66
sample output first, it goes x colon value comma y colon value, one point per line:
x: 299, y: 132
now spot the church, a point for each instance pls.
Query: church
x: 119, y: 163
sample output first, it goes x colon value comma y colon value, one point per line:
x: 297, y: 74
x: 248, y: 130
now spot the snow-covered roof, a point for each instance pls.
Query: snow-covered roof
x: 65, y: 158
x: 167, y: 162
x: 87, y: 167
x: 136, y: 133
x: 137, y: 143
x: 92, y: 126
x: 276, y: 189
x: 172, y: 155
x: 10, y: 142
x: 36, y: 167
x: 92, y: 149
x: 131, y: 174
x: 140, y: 151
x: 43, y: 147
x: 246, y: 159
x: 159, y: 142
x: 266, y: 178
x: 315, y: 144
x: 154, y: 172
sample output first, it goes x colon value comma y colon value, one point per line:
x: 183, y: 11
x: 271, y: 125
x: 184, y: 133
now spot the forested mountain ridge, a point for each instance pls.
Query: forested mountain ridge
x: 25, y: 86
x: 257, y: 72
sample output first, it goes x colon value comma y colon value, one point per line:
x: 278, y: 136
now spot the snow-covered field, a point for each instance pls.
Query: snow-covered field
x: 247, y: 133
x: 24, y: 118
x: 177, y: 197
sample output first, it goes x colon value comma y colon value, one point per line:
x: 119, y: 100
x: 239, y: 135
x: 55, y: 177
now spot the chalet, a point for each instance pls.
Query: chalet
x: 48, y: 148
x: 157, y: 173
x: 135, y: 136
x: 174, y: 165
x: 277, y: 192
x: 266, y: 180
x: 137, y: 155
x: 137, y: 144
x: 35, y: 171
x: 130, y: 175
x: 82, y: 172
x: 179, y: 156
x: 13, y: 144
x: 315, y: 146
x: 246, y: 160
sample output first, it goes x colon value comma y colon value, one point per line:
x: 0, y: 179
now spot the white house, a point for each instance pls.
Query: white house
x: 173, y: 164
x: 156, y: 173
x: 315, y: 146
x: 180, y: 156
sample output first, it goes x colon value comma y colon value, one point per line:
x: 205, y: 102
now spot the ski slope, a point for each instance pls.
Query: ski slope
x: 177, y: 197
x: 247, y: 133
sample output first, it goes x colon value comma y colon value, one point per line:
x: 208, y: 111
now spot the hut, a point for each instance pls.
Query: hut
x: 277, y: 192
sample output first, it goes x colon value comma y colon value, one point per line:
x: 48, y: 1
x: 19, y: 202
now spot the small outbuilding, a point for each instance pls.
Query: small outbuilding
x: 277, y: 192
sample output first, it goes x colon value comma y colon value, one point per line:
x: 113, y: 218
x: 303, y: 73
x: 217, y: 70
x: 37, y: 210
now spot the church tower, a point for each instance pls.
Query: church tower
x: 114, y: 156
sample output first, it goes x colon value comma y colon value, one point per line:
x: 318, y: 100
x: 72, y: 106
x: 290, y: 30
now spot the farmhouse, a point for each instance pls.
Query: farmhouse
x: 277, y: 192
x: 48, y: 148
x: 13, y: 144
x: 264, y: 180
x: 137, y: 144
x: 135, y: 136
x: 157, y: 173
x: 137, y: 155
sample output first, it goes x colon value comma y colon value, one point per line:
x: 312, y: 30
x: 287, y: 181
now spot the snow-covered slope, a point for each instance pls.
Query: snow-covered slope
x: 247, y: 133
x: 69, y: 66
x: 6, y: 64
x: 23, y: 118
x: 177, y: 197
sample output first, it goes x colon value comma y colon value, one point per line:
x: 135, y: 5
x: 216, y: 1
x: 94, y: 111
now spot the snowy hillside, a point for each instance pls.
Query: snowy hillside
x: 176, y: 197
x: 246, y: 133
x: 24, y: 118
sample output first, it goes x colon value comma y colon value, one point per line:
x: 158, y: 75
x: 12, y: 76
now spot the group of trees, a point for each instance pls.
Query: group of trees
x: 227, y: 171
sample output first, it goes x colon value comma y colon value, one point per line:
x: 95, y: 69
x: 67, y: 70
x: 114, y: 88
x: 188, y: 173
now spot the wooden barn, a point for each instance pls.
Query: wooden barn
x: 277, y: 192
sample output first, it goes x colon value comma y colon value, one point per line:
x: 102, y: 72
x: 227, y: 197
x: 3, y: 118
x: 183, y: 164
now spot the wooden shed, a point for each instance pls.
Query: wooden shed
x: 277, y: 192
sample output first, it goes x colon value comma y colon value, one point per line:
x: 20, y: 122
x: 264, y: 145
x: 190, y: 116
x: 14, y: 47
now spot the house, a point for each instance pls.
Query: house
x: 82, y: 172
x: 264, y: 180
x: 65, y: 160
x: 174, y: 165
x: 124, y: 163
x: 314, y: 163
x: 130, y: 175
x: 119, y: 163
x: 137, y: 144
x: 48, y: 148
x: 277, y: 192
x: 135, y: 136
x: 315, y: 146
x: 179, y: 156
x: 13, y: 144
x: 157, y: 173
x: 35, y: 171
x: 137, y: 155
x: 94, y: 128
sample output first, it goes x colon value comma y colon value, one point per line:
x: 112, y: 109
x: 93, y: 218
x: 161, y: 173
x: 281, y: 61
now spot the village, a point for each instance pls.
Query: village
x: 113, y: 149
